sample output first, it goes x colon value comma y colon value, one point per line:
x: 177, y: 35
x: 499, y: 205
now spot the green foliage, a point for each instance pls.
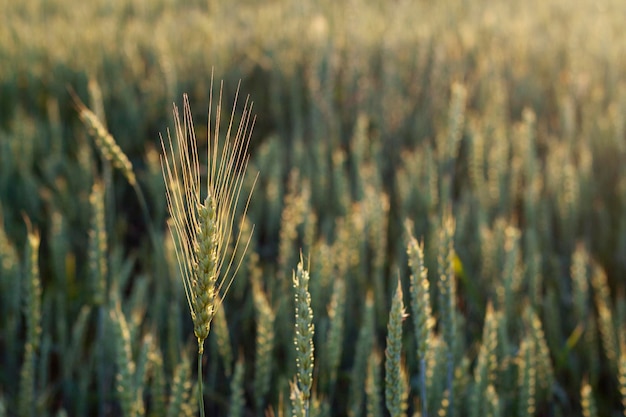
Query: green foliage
x: 492, y: 133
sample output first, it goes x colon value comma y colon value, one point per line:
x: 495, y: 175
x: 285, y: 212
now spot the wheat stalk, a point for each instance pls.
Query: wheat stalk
x: 202, y: 224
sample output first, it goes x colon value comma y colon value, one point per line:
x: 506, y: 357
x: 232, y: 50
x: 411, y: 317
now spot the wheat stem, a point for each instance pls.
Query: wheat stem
x: 200, y: 389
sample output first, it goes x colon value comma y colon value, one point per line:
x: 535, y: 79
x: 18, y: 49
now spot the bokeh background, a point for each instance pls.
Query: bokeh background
x: 509, y: 117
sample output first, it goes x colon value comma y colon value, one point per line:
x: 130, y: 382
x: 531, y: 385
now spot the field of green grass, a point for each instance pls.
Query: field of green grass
x: 437, y: 224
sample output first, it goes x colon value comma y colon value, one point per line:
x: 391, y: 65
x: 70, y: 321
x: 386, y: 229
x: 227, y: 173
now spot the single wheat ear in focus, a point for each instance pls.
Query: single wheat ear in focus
x: 204, y: 223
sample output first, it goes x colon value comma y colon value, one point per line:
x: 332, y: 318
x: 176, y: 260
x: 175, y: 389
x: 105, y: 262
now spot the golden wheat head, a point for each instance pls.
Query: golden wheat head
x: 202, y: 220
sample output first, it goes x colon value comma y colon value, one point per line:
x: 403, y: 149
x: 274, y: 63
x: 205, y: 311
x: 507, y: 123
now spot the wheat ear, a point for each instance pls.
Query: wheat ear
x: 111, y: 151
x: 264, y: 342
x: 237, y: 394
x: 396, y: 383
x: 303, y: 340
x: 587, y: 400
x: 372, y: 386
x: 420, y: 306
x: 105, y: 142
x: 202, y: 224
x: 32, y: 313
x: 621, y: 377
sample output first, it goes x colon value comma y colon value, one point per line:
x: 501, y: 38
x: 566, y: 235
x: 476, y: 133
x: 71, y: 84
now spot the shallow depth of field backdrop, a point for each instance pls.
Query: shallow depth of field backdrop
x: 492, y: 131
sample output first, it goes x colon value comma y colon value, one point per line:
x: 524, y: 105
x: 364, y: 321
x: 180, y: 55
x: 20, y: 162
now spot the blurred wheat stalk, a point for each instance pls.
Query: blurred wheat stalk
x: 202, y: 224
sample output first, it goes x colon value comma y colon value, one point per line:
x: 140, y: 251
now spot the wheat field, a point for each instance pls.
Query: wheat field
x: 422, y: 214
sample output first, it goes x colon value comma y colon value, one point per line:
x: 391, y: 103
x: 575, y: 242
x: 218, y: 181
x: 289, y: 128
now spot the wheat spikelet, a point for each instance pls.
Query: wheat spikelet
x: 141, y: 368
x: 372, y: 386
x: 305, y: 330
x: 606, y: 322
x: 293, y: 215
x: 447, y: 146
x: 579, y: 272
x: 32, y: 313
x: 485, y: 365
x: 444, y: 405
x: 396, y: 385
x: 237, y: 399
x: 420, y: 306
x: 105, y: 142
x: 180, y: 389
x: 420, y: 293
x: 97, y: 245
x: 8, y: 263
x: 158, y: 384
x: 622, y: 376
x: 298, y: 405
x: 32, y: 291
x: 447, y: 296
x: 202, y: 227
x: 545, y: 372
x: 588, y: 403
x: 527, y: 374
x: 264, y: 343
x: 334, y: 344
x: 592, y: 346
x: 124, y: 362
x: 447, y: 281
x: 364, y: 345
x: 492, y: 402
x: 190, y: 407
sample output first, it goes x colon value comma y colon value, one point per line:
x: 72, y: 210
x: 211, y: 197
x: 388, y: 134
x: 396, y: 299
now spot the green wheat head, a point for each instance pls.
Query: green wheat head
x: 373, y: 386
x: 622, y: 377
x: 32, y: 313
x: 265, y: 336
x: 97, y: 245
x: 420, y: 293
x: 105, y: 142
x: 303, y: 339
x: 396, y: 383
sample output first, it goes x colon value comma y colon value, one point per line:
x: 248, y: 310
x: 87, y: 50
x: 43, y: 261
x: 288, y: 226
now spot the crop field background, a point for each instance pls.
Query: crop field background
x: 437, y: 228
